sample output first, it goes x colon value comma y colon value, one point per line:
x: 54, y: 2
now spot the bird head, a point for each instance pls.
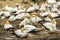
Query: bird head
x: 28, y: 16
x: 22, y: 29
x: 7, y: 22
x: 32, y: 4
x: 53, y: 21
x: 33, y: 15
x: 49, y: 15
x: 46, y: 5
x: 26, y: 22
x: 41, y: 11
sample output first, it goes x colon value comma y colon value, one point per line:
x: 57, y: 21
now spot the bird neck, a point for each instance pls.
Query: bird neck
x: 54, y: 24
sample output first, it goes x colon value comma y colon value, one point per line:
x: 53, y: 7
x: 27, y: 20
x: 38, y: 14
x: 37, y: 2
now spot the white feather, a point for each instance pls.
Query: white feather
x: 47, y: 19
x: 20, y: 33
x: 23, y: 22
x: 29, y: 28
x: 31, y: 9
x: 37, y: 19
x: 42, y: 7
x: 58, y: 3
x: 7, y: 26
x: 20, y: 16
x: 6, y: 14
x: 49, y: 26
x: 51, y: 1
x: 10, y: 9
x: 12, y: 18
x: 54, y: 15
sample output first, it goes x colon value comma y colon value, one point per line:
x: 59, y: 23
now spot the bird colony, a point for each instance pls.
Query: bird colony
x: 45, y: 14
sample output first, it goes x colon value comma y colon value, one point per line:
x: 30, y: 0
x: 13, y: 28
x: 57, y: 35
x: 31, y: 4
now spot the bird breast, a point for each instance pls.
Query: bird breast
x: 7, y: 26
x: 29, y: 28
x: 12, y: 18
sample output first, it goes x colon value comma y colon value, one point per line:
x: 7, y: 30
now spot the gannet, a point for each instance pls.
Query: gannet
x: 7, y: 25
x: 51, y: 25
